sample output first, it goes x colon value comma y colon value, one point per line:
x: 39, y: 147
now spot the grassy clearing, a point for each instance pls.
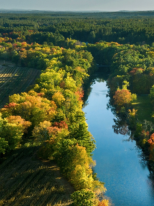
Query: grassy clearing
x: 14, y: 80
x: 144, y: 107
x: 28, y: 181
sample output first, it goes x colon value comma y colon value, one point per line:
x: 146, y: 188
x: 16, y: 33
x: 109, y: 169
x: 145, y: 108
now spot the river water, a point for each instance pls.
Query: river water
x: 119, y: 162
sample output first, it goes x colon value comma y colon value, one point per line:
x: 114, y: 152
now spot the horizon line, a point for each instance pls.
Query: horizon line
x: 2, y: 9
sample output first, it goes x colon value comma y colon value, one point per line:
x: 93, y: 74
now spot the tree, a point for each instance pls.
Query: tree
x: 40, y: 132
x: 83, y: 197
x: 58, y: 98
x: 32, y: 107
x: 92, y: 36
x: 122, y: 97
x: 12, y: 130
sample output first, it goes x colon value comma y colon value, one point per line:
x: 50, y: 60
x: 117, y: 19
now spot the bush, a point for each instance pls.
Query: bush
x: 83, y: 197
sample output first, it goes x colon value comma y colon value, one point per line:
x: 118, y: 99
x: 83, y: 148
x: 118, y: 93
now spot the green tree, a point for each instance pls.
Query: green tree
x: 83, y: 197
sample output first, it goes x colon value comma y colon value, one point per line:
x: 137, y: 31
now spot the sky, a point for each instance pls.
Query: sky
x: 78, y: 5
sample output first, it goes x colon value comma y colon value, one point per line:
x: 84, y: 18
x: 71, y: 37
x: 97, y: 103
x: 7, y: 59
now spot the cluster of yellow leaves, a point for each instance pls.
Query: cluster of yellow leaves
x: 19, y: 122
x: 32, y: 108
x: 133, y: 112
x: 12, y: 129
x: 46, y: 131
x: 104, y: 203
x: 80, y: 173
x: 151, y: 53
x: 58, y: 98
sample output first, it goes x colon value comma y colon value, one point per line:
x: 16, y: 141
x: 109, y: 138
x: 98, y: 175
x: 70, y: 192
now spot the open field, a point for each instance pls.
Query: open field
x: 15, y: 80
x: 27, y: 181
x: 144, y: 107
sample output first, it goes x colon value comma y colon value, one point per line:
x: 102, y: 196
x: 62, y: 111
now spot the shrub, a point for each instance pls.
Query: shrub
x: 83, y: 197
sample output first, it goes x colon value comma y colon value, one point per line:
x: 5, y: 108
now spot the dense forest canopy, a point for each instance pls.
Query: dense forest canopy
x: 122, y: 27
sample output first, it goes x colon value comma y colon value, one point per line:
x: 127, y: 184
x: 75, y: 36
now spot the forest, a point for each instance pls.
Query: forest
x: 66, y: 49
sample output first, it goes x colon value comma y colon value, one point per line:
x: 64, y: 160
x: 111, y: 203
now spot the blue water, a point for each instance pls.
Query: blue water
x: 119, y: 162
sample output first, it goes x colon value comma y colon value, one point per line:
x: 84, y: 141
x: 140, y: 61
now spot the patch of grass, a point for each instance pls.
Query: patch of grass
x: 26, y: 180
x: 144, y: 107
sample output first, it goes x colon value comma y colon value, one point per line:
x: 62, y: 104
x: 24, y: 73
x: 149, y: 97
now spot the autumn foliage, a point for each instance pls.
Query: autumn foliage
x: 122, y: 97
x: 12, y: 129
x: 104, y: 203
x: 145, y: 134
x: 32, y: 108
x: 151, y: 140
x: 80, y: 95
x: 50, y: 115
x: 136, y: 70
x: 58, y: 98
x: 151, y: 149
x: 61, y: 124
x: 19, y: 122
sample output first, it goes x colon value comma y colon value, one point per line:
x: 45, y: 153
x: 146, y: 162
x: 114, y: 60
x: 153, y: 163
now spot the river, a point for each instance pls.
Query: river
x: 119, y: 162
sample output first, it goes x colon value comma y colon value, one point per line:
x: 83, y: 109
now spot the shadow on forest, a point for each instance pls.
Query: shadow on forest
x: 32, y: 181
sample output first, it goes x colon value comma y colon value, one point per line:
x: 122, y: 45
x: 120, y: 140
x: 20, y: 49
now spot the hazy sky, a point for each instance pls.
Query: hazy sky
x: 78, y: 5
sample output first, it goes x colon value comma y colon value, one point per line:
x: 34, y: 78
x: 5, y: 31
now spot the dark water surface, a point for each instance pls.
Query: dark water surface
x: 119, y: 163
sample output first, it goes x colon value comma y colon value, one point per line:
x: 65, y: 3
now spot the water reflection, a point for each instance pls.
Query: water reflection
x: 120, y: 127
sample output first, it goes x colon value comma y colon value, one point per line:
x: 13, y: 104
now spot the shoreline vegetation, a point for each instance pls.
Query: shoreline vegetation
x: 49, y: 115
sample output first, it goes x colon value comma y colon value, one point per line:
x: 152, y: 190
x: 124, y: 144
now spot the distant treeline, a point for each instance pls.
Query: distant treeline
x: 121, y: 27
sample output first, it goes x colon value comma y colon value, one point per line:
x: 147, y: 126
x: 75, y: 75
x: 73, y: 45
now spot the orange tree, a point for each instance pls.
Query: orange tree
x: 151, y: 142
x: 122, y: 97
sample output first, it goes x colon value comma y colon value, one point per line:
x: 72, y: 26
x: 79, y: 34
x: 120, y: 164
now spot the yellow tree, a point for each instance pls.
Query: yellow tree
x: 58, y: 98
x: 122, y: 97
